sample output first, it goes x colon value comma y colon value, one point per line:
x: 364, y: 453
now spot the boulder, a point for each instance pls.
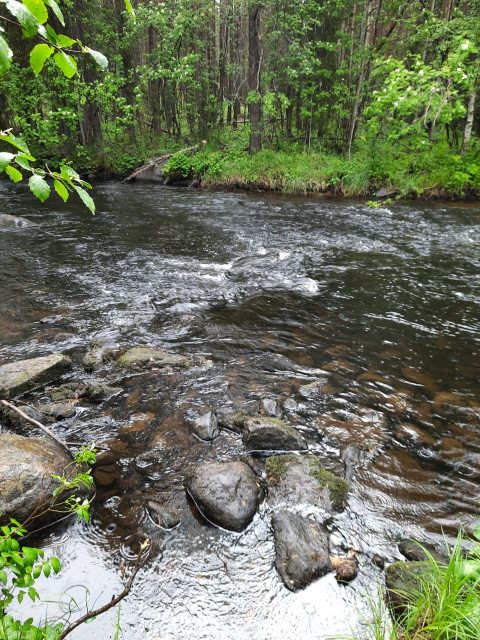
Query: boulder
x: 226, y: 493
x: 205, y: 426
x: 150, y: 357
x: 7, y: 221
x: 301, y: 549
x: 270, y: 434
x: 27, y: 486
x: 295, y: 480
x: 21, y: 376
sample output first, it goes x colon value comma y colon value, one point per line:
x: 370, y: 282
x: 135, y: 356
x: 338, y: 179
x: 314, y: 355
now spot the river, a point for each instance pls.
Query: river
x: 378, y: 307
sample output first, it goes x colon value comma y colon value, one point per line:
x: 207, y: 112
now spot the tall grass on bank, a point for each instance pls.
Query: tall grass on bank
x: 445, y: 606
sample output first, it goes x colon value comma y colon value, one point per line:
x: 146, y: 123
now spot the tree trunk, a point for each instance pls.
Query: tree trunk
x: 467, y: 134
x: 254, y: 63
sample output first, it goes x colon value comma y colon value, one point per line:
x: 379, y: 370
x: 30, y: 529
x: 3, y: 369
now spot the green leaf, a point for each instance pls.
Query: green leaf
x: 65, y: 41
x: 39, y: 187
x: 33, y: 594
x: 3, y: 576
x: 5, y: 55
x: 99, y: 58
x: 66, y: 63
x: 24, y: 16
x: 129, y: 6
x: 68, y: 173
x: 87, y: 200
x: 37, y: 570
x: 17, y: 142
x: 55, y: 562
x: 38, y: 9
x: 22, y: 162
x: 61, y: 190
x: 51, y: 35
x: 30, y: 555
x: 56, y: 10
x: 20, y: 596
x: 46, y: 569
x: 5, y: 159
x: 38, y: 56
x: 14, y: 174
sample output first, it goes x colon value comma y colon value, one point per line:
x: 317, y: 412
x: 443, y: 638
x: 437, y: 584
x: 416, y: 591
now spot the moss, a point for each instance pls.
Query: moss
x: 240, y: 418
x: 337, y: 487
x: 276, y: 466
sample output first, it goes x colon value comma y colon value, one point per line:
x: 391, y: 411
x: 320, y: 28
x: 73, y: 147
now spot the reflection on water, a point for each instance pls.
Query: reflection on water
x: 364, y: 324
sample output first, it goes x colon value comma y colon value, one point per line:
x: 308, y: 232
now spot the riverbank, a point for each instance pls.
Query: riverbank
x: 371, y: 173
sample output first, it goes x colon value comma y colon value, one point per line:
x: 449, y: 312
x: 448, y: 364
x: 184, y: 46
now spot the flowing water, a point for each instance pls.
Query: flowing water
x: 364, y: 323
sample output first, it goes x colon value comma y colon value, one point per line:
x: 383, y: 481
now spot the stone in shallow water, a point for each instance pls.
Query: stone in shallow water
x: 205, y: 426
x: 269, y: 434
x: 26, y: 468
x: 301, y: 549
x: 148, y: 357
x: 226, y: 493
x: 271, y: 407
x: 18, y: 377
x: 162, y: 516
x: 7, y: 220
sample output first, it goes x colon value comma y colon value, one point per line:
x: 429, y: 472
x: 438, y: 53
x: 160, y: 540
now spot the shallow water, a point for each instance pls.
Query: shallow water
x: 363, y: 317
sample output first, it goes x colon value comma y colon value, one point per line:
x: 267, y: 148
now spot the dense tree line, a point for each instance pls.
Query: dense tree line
x: 301, y: 72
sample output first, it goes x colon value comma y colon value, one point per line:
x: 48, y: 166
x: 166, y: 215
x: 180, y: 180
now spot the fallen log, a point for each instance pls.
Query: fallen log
x: 156, y: 161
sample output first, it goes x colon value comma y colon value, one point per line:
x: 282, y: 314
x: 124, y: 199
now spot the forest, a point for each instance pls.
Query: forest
x: 338, y: 96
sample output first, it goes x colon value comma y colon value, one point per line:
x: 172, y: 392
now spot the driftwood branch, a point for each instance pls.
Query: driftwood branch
x: 113, y: 601
x: 156, y: 161
x: 36, y: 423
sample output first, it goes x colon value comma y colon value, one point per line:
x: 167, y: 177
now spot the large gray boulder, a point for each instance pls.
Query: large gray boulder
x: 270, y: 434
x: 26, y: 483
x: 226, y: 493
x: 18, y: 377
x: 301, y: 549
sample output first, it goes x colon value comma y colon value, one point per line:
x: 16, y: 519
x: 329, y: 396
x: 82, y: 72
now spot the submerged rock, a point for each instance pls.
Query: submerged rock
x: 14, y: 221
x: 226, y: 493
x: 92, y: 391
x: 57, y: 410
x: 149, y: 357
x: 96, y: 357
x: 295, y: 480
x: 21, y: 376
x: 162, y: 516
x: 301, y: 549
x: 270, y: 434
x: 346, y: 568
x: 205, y: 426
x: 27, y: 486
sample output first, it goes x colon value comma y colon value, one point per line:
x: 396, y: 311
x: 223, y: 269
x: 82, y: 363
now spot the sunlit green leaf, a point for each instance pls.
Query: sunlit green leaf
x: 5, y: 55
x: 38, y: 9
x: 39, y: 187
x: 5, y: 159
x: 61, y: 190
x: 14, y: 174
x: 66, y: 63
x: 56, y: 10
x: 38, y: 55
x: 87, y: 200
x: 24, y: 16
x: 65, y: 41
x: 55, y: 564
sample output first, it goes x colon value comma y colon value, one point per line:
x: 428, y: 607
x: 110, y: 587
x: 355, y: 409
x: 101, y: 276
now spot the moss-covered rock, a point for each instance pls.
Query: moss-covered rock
x: 297, y: 479
x: 403, y: 580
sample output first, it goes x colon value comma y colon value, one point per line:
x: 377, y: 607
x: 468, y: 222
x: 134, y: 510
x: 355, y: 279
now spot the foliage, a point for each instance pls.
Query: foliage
x: 21, y: 566
x: 446, y: 605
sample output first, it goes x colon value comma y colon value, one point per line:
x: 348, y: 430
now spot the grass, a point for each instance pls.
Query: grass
x: 445, y: 606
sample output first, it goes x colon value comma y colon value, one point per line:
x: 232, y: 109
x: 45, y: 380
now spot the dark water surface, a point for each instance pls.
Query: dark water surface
x: 368, y: 319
